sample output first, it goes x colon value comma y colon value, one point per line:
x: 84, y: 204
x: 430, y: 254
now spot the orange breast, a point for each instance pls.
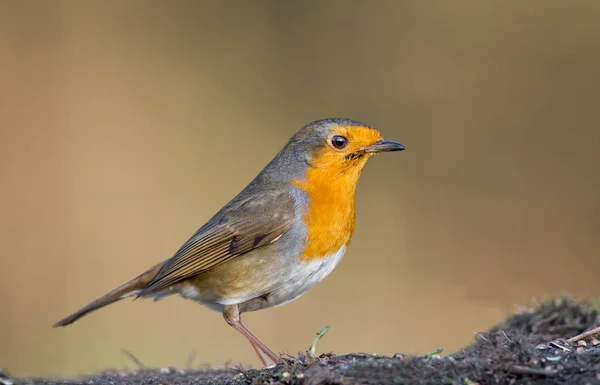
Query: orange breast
x: 329, y: 217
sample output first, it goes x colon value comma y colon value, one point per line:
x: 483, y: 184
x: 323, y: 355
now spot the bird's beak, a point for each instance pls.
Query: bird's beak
x: 383, y: 146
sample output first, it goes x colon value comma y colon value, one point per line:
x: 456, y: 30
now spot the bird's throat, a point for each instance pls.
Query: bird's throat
x: 329, y: 216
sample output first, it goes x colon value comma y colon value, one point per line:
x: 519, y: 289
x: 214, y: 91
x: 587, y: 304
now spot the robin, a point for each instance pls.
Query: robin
x: 283, y: 233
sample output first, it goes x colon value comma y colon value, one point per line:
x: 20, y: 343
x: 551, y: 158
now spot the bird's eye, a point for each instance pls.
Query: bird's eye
x: 339, y: 142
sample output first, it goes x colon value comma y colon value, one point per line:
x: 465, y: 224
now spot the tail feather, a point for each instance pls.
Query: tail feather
x: 129, y: 289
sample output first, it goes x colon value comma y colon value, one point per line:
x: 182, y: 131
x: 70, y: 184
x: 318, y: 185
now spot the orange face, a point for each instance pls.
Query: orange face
x: 344, y: 150
x: 330, y: 183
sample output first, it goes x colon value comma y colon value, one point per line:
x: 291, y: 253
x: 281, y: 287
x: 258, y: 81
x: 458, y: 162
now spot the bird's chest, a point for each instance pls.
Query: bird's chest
x: 328, y: 217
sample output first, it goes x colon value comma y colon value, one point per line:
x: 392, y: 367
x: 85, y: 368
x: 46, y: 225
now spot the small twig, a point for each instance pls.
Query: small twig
x: 506, y: 336
x: 320, y: 335
x: 239, y: 369
x: 587, y: 334
x: 560, y: 329
x: 556, y: 345
x: 190, y: 360
x: 480, y: 335
x: 518, y: 369
x: 546, y: 320
x: 133, y: 358
x: 289, y: 357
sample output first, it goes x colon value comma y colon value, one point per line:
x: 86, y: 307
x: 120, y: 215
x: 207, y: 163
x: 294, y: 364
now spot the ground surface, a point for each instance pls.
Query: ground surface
x: 528, y: 348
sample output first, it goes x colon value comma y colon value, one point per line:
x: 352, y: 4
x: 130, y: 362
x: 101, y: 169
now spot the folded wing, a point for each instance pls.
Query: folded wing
x: 256, y: 221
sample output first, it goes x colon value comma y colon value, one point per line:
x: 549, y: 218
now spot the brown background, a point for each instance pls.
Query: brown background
x: 124, y: 125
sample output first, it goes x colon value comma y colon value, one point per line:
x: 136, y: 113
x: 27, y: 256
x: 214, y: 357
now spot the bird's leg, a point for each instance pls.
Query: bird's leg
x: 231, y: 314
x: 263, y: 357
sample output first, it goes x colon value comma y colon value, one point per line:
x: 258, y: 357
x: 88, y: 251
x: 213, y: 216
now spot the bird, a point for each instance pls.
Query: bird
x: 285, y: 231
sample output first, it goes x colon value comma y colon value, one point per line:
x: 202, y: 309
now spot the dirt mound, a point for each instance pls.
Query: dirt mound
x: 538, y: 346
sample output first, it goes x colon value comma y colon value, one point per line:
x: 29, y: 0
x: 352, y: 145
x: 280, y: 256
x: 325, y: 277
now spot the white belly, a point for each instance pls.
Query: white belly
x: 287, y: 282
x: 304, y: 275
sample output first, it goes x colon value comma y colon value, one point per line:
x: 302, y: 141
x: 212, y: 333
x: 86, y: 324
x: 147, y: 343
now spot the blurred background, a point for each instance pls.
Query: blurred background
x: 125, y: 125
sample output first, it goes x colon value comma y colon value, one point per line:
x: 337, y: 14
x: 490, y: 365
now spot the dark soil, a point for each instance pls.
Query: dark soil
x: 528, y: 348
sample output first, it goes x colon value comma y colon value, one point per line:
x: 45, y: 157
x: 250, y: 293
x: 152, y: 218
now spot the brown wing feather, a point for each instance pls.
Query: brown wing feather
x: 244, y: 226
